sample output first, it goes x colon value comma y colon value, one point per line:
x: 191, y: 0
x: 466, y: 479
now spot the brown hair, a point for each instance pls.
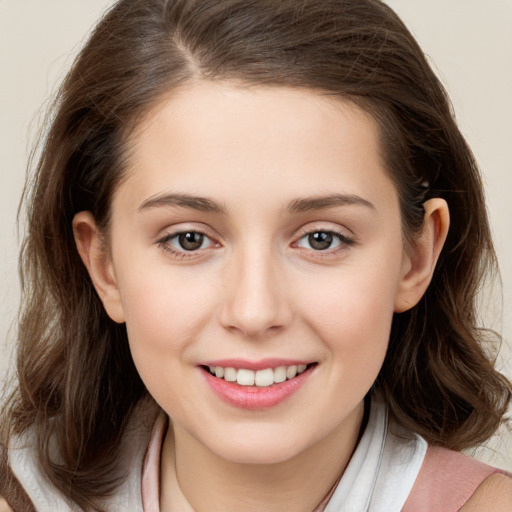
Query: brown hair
x: 77, y: 382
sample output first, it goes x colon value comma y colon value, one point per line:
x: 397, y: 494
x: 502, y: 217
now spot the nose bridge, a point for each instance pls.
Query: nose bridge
x: 256, y: 302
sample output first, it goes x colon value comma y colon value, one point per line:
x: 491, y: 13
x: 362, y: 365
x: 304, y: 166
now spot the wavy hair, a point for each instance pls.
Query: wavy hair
x: 77, y: 382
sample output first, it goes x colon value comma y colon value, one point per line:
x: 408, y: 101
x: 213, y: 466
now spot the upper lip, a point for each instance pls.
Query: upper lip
x: 261, y: 364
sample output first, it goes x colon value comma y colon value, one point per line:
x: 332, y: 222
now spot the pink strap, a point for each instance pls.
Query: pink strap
x: 446, y: 481
x: 151, y: 467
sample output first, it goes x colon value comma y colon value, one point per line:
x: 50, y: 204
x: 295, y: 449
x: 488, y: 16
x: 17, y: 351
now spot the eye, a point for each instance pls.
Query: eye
x: 190, y: 241
x: 186, y: 242
x: 323, y: 240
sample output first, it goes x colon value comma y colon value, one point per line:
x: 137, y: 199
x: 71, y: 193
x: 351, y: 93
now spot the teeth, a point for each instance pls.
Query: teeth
x: 230, y: 374
x: 264, y: 378
x: 291, y: 371
x: 245, y: 377
x: 260, y: 378
x: 280, y: 374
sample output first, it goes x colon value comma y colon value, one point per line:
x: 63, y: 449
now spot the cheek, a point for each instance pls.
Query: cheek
x: 163, y: 313
x: 163, y: 318
x: 352, y: 311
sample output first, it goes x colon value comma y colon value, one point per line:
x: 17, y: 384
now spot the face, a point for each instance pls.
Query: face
x: 257, y: 237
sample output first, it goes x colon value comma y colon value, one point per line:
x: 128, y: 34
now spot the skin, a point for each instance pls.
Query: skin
x: 257, y: 288
x: 494, y: 493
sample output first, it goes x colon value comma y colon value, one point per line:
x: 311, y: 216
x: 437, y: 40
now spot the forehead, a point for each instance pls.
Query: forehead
x: 236, y: 141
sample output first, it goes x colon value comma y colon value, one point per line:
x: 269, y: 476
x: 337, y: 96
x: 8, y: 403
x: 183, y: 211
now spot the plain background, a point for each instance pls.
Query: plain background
x: 469, y: 43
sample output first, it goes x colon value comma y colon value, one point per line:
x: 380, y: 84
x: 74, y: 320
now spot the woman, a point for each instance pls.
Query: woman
x: 251, y: 273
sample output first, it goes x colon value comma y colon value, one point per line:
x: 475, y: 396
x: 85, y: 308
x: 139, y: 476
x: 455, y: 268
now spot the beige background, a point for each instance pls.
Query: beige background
x: 469, y: 43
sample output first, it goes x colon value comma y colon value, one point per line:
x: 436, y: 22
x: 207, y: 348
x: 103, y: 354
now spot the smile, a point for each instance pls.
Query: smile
x: 266, y: 385
x: 259, y: 378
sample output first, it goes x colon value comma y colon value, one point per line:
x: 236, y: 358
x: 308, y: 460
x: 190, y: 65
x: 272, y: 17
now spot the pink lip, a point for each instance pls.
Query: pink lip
x: 262, y: 364
x: 252, y: 397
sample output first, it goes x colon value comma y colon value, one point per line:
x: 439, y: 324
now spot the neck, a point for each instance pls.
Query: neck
x: 192, y: 474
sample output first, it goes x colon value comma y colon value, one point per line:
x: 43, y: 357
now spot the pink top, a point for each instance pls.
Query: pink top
x: 446, y: 481
x: 151, y: 467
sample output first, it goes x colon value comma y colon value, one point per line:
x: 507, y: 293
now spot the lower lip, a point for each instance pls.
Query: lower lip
x: 252, y: 397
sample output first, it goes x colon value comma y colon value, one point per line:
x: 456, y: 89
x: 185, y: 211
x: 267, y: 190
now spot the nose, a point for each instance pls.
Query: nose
x: 256, y: 303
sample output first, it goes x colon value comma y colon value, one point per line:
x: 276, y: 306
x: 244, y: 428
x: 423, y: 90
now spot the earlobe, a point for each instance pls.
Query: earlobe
x: 420, y: 260
x: 96, y: 259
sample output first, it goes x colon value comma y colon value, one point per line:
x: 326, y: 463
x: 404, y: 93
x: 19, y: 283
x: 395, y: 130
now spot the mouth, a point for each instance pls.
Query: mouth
x: 256, y: 389
x: 263, y: 378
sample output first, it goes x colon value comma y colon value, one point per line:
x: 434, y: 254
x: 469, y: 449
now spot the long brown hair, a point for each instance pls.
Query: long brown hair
x: 77, y: 382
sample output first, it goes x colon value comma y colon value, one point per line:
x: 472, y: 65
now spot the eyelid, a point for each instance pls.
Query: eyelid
x: 315, y: 227
x: 163, y: 241
x: 186, y: 227
x: 345, y: 239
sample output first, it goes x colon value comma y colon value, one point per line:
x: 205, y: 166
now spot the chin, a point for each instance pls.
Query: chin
x: 262, y: 451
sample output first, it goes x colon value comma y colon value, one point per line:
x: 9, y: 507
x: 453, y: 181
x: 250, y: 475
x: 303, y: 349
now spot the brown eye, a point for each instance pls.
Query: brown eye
x: 321, y: 240
x: 190, y: 241
x: 186, y: 243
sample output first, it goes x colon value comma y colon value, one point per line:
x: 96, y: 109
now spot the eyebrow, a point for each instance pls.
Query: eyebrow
x: 299, y: 205
x: 322, y: 202
x: 202, y: 204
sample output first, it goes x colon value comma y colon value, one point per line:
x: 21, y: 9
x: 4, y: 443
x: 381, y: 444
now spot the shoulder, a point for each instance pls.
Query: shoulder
x: 449, y: 480
x: 3, y: 506
x: 494, y: 493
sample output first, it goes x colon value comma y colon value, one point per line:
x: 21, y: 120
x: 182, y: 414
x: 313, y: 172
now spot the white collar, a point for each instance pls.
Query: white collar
x: 379, y: 477
x: 383, y: 469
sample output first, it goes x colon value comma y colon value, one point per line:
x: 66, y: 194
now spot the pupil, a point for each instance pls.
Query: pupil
x: 191, y: 241
x: 320, y: 240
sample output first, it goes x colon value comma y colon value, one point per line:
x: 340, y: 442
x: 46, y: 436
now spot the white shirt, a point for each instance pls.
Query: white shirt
x: 378, y: 478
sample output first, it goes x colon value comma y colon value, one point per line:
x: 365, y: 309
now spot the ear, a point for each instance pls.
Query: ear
x: 97, y: 260
x: 421, y: 258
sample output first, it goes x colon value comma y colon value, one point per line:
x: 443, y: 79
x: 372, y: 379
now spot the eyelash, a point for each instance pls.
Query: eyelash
x: 165, y: 242
x: 344, y: 241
